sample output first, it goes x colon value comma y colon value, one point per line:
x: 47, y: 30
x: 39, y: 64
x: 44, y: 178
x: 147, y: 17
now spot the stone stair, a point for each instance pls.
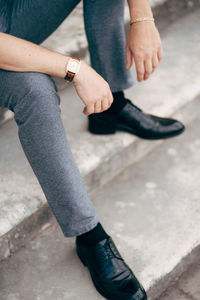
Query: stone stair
x: 23, y: 207
x: 173, y: 90
x: 152, y: 212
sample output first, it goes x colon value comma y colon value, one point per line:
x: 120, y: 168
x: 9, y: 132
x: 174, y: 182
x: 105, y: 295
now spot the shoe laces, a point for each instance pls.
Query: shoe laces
x: 111, y: 250
x: 132, y: 104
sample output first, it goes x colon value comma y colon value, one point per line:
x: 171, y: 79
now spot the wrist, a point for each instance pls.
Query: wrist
x: 77, y: 76
x: 143, y: 19
x: 72, y: 68
x: 141, y: 14
x: 139, y: 9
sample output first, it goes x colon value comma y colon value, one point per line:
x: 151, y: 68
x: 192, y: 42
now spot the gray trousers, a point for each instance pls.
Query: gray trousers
x: 34, y: 99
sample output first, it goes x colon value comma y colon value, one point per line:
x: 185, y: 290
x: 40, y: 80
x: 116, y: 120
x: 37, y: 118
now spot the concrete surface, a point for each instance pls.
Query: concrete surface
x: 174, y: 84
x: 187, y: 287
x: 151, y: 210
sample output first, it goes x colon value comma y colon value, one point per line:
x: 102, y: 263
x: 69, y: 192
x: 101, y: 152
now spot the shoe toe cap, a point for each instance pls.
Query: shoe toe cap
x: 139, y: 296
x: 177, y: 127
x: 173, y: 128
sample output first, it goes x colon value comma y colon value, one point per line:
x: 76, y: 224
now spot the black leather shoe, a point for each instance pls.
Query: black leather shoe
x: 133, y: 120
x: 111, y: 276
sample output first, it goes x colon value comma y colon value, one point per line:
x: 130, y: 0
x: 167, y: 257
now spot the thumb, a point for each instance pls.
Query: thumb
x: 129, y: 59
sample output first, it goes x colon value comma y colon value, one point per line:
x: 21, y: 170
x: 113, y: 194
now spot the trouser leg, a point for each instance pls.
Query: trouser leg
x: 36, y: 20
x: 34, y: 100
x: 104, y: 25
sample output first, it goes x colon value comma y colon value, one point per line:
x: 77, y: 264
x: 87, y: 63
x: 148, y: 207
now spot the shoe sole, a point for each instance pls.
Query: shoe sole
x: 99, y: 289
x: 130, y: 130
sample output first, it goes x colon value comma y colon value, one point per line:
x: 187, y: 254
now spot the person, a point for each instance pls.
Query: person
x: 28, y: 89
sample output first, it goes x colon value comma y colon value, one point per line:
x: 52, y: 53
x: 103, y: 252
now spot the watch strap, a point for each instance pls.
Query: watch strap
x: 69, y: 76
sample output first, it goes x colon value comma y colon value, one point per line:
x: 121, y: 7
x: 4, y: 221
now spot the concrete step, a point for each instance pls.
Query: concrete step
x: 23, y: 207
x: 152, y: 212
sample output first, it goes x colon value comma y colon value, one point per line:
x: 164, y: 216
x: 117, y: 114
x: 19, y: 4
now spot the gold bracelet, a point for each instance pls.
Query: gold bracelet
x: 141, y: 19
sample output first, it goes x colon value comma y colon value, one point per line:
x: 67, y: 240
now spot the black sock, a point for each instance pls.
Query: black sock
x: 119, y: 101
x: 93, y: 236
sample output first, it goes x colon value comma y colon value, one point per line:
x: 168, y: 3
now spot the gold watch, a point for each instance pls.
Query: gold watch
x: 72, y: 68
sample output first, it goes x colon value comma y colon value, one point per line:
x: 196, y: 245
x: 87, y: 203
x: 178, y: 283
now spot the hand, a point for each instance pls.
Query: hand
x: 93, y: 90
x: 145, y: 47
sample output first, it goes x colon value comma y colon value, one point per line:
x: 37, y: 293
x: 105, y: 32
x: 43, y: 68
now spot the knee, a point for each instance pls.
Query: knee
x: 29, y: 93
x: 27, y: 88
x: 39, y: 99
x: 36, y: 86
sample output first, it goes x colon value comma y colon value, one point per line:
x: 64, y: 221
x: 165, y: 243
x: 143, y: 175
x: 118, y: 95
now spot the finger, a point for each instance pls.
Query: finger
x: 110, y: 98
x: 89, y: 109
x: 139, y: 69
x: 154, y: 62
x: 97, y: 106
x: 104, y: 104
x: 129, y: 58
x: 148, y: 68
x: 160, y: 53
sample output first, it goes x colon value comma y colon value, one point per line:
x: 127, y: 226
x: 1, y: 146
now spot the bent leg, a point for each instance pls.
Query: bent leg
x: 36, y: 20
x: 104, y: 25
x: 35, y: 102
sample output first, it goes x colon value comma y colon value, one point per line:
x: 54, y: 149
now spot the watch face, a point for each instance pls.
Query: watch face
x: 73, y: 66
